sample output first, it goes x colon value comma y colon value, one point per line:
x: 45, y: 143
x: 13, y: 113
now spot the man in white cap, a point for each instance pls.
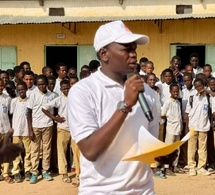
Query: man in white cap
x: 105, y: 117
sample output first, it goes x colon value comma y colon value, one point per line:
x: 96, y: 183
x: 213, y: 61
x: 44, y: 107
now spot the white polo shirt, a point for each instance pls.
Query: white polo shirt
x: 35, y: 103
x: 198, y: 114
x: 91, y: 103
x: 185, y: 97
x: 57, y: 86
x: 19, y: 121
x: 31, y: 90
x: 5, y: 101
x: 61, y: 103
x: 165, y: 93
x: 172, y: 110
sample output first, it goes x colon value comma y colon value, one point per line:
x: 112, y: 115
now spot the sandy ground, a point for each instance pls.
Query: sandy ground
x: 178, y: 185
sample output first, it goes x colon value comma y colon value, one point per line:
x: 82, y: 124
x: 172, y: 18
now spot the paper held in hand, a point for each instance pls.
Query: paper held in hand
x: 153, y: 148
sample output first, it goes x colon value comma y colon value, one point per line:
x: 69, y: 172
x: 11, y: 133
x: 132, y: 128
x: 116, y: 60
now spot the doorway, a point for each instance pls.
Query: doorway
x: 184, y: 52
x: 65, y: 54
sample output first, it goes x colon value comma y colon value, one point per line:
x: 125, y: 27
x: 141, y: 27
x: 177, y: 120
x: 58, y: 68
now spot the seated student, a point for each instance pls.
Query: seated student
x: 28, y: 78
x: 41, y: 127
x: 21, y: 133
x: 47, y: 71
x: 72, y: 80
x: 198, y: 119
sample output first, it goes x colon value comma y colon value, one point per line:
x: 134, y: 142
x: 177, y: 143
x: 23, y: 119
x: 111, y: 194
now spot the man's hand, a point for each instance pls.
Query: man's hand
x: 59, y: 119
x: 133, y: 86
x: 167, y: 159
x: 8, y: 150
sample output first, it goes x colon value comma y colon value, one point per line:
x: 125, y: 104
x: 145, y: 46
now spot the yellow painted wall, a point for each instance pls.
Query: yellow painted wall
x: 30, y: 39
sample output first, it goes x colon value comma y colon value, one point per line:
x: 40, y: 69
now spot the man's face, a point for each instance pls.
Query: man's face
x: 22, y: 91
x: 51, y: 85
x: 194, y: 61
x: 149, y: 68
x: 175, y: 92
x: 4, y: 77
x: 187, y: 81
x: 207, y: 71
x: 29, y: 80
x: 42, y: 85
x: 62, y: 72
x: 189, y: 69
x: 65, y: 89
x: 120, y: 58
x: 175, y: 64
x: 151, y: 81
x: 72, y: 81
x: 26, y: 67
x: 48, y: 72
x: 212, y: 85
x: 20, y: 74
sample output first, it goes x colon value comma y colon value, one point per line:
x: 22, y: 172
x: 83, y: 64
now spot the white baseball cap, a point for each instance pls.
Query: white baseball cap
x: 117, y: 32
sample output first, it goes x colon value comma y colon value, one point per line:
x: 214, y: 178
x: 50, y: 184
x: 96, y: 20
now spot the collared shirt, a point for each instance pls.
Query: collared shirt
x: 91, y: 103
x: 197, y: 70
x: 172, y: 110
x: 61, y: 103
x: 5, y: 101
x: 57, y: 86
x: 164, y: 88
x: 31, y: 90
x: 186, y: 93
x: 19, y: 121
x: 35, y: 103
x: 198, y: 113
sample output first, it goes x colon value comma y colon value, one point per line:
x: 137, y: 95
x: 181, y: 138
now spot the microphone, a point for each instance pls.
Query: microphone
x: 145, y: 107
x: 143, y: 103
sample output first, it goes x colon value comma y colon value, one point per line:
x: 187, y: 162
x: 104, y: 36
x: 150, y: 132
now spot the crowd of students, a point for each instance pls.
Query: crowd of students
x: 35, y: 106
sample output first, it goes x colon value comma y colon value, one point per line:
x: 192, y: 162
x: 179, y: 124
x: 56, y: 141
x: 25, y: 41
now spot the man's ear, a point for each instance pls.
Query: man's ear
x: 103, y: 54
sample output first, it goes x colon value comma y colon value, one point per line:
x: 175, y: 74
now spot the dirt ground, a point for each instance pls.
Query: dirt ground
x: 178, y: 185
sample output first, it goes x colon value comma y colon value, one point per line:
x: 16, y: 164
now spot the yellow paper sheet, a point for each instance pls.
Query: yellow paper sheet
x: 157, y: 148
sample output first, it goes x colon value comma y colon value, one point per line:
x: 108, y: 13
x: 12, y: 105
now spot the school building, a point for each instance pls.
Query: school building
x: 45, y: 32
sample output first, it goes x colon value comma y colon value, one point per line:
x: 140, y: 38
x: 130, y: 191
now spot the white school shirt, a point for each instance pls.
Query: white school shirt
x: 91, y: 103
x: 198, y: 114
x: 35, y: 103
x: 57, y: 87
x: 197, y: 70
x: 5, y: 101
x: 185, y: 97
x: 31, y: 90
x: 61, y: 103
x: 19, y: 121
x: 165, y: 94
x: 172, y: 110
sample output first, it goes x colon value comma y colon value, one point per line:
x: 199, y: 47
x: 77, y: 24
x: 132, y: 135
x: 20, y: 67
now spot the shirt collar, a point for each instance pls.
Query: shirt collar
x: 107, y: 82
x: 22, y: 100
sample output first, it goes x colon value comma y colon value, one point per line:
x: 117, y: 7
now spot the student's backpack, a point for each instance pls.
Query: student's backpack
x: 209, y: 107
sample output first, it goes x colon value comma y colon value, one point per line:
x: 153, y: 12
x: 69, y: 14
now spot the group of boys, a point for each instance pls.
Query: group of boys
x: 185, y: 101
x: 32, y: 104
